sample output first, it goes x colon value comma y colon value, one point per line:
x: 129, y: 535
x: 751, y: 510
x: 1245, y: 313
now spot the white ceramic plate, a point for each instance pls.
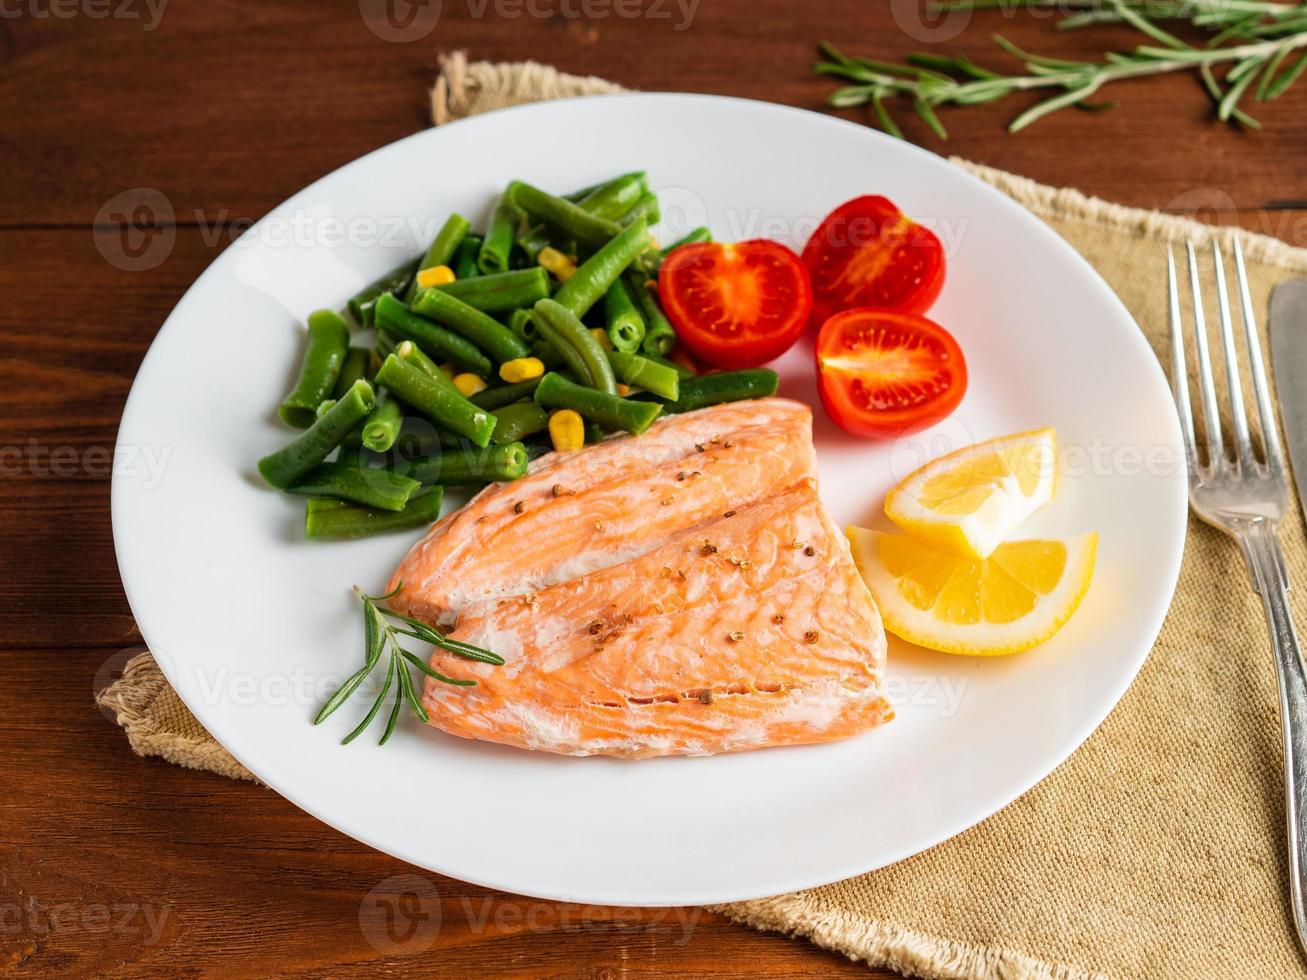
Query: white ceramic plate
x: 254, y: 625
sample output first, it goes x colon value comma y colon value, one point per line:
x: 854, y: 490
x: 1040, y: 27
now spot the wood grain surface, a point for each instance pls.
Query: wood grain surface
x: 114, y: 865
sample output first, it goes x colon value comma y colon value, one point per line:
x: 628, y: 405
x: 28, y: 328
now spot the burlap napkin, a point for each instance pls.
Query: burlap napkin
x: 1157, y: 849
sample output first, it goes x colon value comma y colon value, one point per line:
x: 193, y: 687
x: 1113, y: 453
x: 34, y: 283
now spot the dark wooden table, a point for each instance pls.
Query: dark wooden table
x: 109, y: 863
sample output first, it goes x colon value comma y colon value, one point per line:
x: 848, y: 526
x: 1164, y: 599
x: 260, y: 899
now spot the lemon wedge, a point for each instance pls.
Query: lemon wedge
x: 1015, y: 599
x: 969, y: 501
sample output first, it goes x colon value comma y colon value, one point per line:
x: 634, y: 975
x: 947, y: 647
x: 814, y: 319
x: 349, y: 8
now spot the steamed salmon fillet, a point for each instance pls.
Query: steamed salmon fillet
x: 683, y: 592
x: 748, y: 630
x: 576, y: 512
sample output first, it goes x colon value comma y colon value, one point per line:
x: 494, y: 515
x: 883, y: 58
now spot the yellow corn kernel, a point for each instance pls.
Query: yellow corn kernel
x: 623, y: 390
x: 469, y: 384
x: 556, y: 262
x: 448, y: 370
x: 521, y: 369
x: 601, y: 335
x: 566, y: 430
x: 437, y: 275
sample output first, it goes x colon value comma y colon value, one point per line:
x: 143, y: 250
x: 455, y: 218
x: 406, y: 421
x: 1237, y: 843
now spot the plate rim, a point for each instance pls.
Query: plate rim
x: 1169, y: 574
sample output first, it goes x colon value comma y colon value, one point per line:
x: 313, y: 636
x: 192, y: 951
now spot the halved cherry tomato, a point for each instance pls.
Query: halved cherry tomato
x: 885, y: 374
x: 736, y: 306
x: 869, y: 253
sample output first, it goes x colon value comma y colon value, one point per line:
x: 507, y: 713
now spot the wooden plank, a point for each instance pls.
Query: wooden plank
x: 238, y: 105
x: 110, y: 862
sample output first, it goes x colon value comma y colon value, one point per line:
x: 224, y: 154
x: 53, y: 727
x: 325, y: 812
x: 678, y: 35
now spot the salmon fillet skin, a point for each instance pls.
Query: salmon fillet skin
x: 715, y: 608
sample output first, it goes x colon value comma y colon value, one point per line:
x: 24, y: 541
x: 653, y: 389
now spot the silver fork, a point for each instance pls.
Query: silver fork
x: 1246, y: 499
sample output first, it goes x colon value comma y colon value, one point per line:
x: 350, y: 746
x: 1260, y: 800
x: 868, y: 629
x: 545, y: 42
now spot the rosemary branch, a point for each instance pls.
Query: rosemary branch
x: 1267, y: 32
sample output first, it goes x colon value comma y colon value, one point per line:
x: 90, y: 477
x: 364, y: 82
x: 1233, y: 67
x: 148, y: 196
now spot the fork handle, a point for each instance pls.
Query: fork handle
x: 1261, y: 548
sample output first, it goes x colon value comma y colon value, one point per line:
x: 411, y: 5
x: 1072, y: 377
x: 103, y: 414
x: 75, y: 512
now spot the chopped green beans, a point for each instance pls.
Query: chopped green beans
x: 518, y: 421
x: 480, y: 328
x: 501, y: 292
x: 493, y: 399
x: 614, y: 199
x: 570, y: 219
x: 411, y: 352
x: 640, y: 372
x: 660, y: 336
x: 396, y: 318
x: 692, y: 237
x: 681, y: 370
x: 726, y: 386
x: 362, y: 304
x: 324, y: 356
x: 285, y: 466
x: 442, y: 403
x: 555, y: 391
x: 465, y: 258
x: 592, y: 279
x: 623, y: 320
x: 563, y: 325
x: 381, y: 427
x: 357, y: 362
x: 647, y: 208
x: 461, y: 467
x: 522, y: 323
x: 382, y: 489
x: 442, y: 247
x: 498, y: 243
x: 326, y: 517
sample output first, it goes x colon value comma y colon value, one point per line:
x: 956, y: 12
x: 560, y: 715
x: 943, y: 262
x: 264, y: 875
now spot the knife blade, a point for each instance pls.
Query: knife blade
x: 1288, y: 332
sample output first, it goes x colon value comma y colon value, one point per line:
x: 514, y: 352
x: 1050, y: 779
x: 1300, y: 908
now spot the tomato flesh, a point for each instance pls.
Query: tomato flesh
x: 869, y: 253
x: 883, y: 374
x: 736, y: 305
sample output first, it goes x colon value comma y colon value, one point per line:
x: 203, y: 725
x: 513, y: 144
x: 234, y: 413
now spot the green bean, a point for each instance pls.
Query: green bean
x: 660, y: 336
x: 365, y: 485
x: 563, y: 324
x: 725, y: 386
x: 692, y: 237
x: 324, y: 356
x: 682, y: 372
x: 555, y: 391
x: 621, y: 316
x: 363, y: 303
x: 441, y: 251
x: 355, y: 366
x: 465, y: 258
x: 647, y: 208
x: 518, y: 421
x: 442, y: 403
x: 585, y: 192
x: 326, y: 517
x: 461, y: 467
x: 442, y: 344
x: 411, y: 352
x: 288, y: 464
x: 641, y: 372
x: 501, y: 292
x: 592, y: 279
x: 570, y: 219
x: 323, y: 408
x: 498, y: 243
x: 615, y: 199
x: 522, y: 323
x: 555, y: 352
x: 381, y: 427
x: 493, y: 399
x: 480, y: 328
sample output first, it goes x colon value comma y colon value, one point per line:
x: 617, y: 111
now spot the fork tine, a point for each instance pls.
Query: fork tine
x: 1211, y: 413
x: 1179, y: 367
x: 1238, y: 415
x: 1270, y: 436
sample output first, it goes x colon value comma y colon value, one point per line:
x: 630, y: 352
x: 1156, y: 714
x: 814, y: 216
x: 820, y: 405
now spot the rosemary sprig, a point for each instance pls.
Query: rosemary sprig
x: 380, y: 636
x: 1267, y: 34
